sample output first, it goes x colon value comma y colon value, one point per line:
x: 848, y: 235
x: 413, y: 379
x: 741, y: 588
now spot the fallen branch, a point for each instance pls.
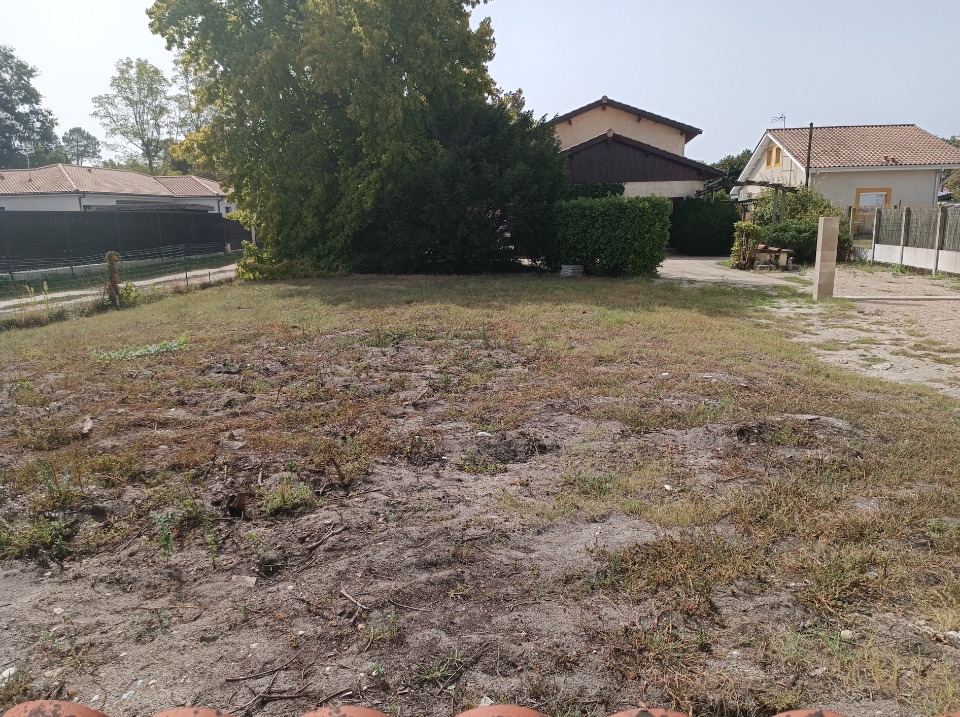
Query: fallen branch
x: 262, y: 674
x: 325, y: 538
x: 407, y: 607
x: 335, y: 695
x: 351, y: 598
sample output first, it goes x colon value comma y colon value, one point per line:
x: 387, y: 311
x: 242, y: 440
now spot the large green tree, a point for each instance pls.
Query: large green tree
x: 335, y: 124
x: 23, y: 118
x: 80, y: 146
x: 138, y: 111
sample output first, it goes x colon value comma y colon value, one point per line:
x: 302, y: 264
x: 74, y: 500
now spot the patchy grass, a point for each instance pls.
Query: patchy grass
x: 672, y: 501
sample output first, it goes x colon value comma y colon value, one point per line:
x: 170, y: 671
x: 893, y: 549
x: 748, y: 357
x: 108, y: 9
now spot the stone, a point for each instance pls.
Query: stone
x: 246, y: 580
x: 847, y: 635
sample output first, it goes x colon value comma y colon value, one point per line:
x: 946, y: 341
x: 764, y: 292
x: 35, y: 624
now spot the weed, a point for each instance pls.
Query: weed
x: 140, y: 351
x: 164, y: 523
x: 473, y: 462
x: 439, y: 670
x: 287, y: 497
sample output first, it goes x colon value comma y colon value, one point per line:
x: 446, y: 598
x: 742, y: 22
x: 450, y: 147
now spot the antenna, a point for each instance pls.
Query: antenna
x: 782, y: 117
x: 26, y: 148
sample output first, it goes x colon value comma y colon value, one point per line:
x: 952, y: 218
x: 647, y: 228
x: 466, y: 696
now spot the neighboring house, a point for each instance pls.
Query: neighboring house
x: 67, y: 188
x: 608, y: 141
x: 855, y: 166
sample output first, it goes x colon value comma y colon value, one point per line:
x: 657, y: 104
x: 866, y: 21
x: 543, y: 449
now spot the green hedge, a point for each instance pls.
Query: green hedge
x: 797, y: 235
x: 701, y: 227
x: 614, y: 236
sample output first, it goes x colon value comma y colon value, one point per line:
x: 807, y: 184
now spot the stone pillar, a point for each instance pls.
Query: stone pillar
x: 825, y: 271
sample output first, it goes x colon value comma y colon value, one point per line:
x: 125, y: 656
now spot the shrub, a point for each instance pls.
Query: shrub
x: 801, y: 236
x: 703, y: 227
x: 806, y: 205
x: 744, y: 252
x: 614, y: 236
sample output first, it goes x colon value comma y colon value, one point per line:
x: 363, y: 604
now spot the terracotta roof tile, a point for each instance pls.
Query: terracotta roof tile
x: 67, y: 178
x: 867, y: 146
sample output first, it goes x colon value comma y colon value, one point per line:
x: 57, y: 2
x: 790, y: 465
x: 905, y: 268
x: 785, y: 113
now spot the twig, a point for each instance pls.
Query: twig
x: 407, y: 607
x: 351, y: 598
x: 325, y: 538
x: 458, y: 673
x: 257, y: 697
x: 340, y: 476
x: 262, y: 674
x: 335, y: 695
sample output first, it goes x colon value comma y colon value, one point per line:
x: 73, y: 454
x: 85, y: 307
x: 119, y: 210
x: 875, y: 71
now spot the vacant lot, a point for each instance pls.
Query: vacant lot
x: 420, y: 493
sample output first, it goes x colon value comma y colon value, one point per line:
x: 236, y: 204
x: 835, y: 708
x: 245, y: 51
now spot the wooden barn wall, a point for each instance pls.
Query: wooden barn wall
x: 617, y: 162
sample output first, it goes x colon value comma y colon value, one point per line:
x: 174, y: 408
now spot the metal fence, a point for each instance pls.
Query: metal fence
x: 69, y: 235
x: 25, y: 282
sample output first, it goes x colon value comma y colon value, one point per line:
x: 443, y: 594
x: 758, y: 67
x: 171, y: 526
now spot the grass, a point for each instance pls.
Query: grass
x: 672, y: 399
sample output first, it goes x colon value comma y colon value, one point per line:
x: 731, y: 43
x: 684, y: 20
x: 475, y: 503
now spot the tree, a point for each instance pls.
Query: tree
x: 80, y: 145
x: 138, y: 111
x: 335, y: 123
x: 22, y: 116
x: 734, y: 164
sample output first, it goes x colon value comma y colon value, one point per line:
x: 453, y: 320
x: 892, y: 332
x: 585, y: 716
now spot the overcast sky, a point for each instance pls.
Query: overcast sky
x: 726, y: 67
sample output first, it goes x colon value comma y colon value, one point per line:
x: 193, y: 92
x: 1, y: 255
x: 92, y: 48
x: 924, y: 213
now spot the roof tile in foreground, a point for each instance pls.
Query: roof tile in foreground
x: 53, y: 708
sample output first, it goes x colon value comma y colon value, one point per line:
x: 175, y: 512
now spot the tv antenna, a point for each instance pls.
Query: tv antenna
x: 782, y: 117
x: 26, y: 148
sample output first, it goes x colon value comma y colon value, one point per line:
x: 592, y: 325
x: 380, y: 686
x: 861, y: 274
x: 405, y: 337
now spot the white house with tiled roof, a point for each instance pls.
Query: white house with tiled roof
x: 855, y: 166
x: 67, y: 188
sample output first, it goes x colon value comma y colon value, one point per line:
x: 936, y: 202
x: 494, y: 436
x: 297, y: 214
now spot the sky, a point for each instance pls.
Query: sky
x: 725, y: 67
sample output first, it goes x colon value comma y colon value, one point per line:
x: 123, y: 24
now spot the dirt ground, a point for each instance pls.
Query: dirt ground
x: 886, y: 336
x: 423, y: 495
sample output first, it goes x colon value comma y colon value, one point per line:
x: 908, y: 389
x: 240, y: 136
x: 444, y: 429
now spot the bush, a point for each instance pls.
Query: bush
x: 806, y: 205
x: 703, y: 227
x: 801, y: 236
x: 614, y: 236
x: 744, y: 251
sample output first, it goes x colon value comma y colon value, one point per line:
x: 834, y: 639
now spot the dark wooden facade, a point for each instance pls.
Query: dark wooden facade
x: 614, y: 158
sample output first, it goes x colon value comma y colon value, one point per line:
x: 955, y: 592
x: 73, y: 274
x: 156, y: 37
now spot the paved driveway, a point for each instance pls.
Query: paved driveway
x: 708, y: 269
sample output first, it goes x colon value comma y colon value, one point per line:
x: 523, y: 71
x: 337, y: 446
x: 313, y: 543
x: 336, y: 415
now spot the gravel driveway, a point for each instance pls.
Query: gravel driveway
x: 887, y: 335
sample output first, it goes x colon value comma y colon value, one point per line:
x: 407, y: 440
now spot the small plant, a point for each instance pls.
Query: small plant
x: 129, y: 295
x: 254, y: 541
x: 287, y: 497
x: 473, y: 462
x: 164, y: 523
x: 140, y: 351
x: 744, y: 252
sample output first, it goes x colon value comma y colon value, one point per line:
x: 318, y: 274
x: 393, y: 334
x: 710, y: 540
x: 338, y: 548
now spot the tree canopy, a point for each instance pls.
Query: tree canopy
x: 138, y: 111
x: 80, y: 146
x: 365, y: 133
x: 23, y: 118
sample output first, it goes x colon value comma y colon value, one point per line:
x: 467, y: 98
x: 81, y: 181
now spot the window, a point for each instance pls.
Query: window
x: 769, y: 157
x: 777, y: 161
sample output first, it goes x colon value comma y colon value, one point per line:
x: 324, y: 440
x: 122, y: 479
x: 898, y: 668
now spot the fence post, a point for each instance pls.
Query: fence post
x: 938, y: 238
x: 904, y: 232
x: 825, y: 271
x: 877, y: 218
x: 186, y: 267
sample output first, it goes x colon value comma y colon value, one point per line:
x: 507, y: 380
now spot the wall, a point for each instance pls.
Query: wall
x: 597, y: 121
x: 71, y: 202
x: 911, y: 187
x: 670, y: 190
x: 789, y: 172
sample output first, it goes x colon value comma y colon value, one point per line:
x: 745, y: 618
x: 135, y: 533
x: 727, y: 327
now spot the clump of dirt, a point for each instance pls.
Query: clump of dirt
x: 513, y: 447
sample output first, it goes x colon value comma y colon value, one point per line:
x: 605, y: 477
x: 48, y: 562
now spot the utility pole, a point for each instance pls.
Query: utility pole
x: 809, y: 153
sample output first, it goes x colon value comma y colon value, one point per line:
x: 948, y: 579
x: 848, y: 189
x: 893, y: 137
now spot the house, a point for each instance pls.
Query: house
x: 67, y: 188
x: 608, y: 141
x: 854, y: 166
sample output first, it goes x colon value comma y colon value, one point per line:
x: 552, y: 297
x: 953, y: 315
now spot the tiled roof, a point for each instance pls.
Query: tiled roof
x: 688, y: 130
x: 679, y: 159
x: 867, y: 146
x: 69, y: 179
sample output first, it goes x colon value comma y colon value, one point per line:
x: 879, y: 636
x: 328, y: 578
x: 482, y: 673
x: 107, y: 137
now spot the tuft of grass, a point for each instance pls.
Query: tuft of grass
x: 474, y: 462
x: 127, y: 354
x: 288, y: 497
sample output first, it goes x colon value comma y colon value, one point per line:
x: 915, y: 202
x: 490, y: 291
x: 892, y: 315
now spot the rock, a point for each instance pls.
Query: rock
x: 87, y: 427
x: 244, y: 580
x: 484, y: 434
x: 128, y: 695
x: 847, y: 635
x: 7, y: 675
x: 234, y: 445
x: 58, y: 611
x: 882, y: 367
x: 270, y: 563
x: 817, y: 672
x: 485, y: 702
x: 953, y: 638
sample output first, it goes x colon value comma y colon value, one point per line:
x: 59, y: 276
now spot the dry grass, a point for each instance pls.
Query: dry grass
x: 685, y: 392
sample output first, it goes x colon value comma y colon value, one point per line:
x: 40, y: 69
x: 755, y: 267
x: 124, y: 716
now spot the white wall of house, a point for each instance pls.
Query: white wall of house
x: 71, y: 202
x: 671, y: 190
x: 786, y: 172
x: 597, y: 121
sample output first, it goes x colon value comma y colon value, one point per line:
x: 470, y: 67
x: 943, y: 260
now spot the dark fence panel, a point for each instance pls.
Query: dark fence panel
x: 66, y: 235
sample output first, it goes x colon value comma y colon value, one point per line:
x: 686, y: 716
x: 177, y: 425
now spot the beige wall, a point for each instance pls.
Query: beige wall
x: 597, y: 121
x: 71, y: 202
x: 911, y: 187
x: 662, y: 189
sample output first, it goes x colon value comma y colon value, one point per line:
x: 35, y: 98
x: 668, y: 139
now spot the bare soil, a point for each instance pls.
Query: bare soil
x: 423, y: 495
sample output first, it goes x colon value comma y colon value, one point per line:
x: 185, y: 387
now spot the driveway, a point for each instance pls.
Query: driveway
x: 707, y: 269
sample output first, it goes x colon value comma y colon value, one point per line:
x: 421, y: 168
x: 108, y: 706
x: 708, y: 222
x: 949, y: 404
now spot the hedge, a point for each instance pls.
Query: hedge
x: 614, y: 236
x: 701, y: 227
x: 799, y: 236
